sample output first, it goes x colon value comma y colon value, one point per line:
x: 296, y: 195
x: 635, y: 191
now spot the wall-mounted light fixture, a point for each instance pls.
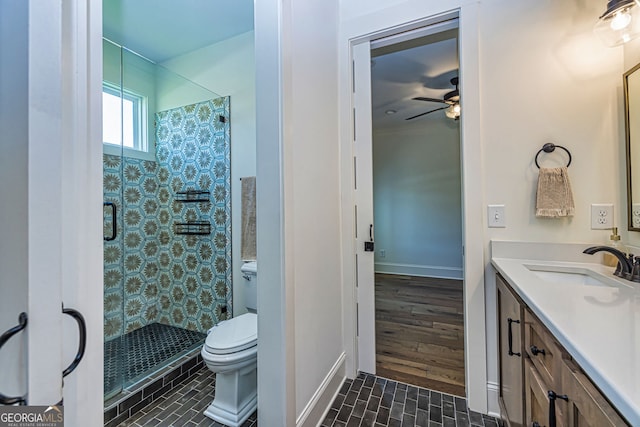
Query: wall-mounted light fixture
x: 620, y: 23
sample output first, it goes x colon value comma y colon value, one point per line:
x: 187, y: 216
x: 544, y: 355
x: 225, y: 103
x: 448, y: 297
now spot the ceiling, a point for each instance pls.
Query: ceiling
x: 418, y: 67
x: 164, y: 29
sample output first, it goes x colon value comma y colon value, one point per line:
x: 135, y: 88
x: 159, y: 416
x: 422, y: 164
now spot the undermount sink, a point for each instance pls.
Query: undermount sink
x: 573, y: 276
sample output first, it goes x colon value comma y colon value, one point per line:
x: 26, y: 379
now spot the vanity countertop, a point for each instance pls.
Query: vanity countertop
x: 598, y: 325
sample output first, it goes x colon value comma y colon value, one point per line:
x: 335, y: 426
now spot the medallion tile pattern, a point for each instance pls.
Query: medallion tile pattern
x: 151, y: 273
x: 193, y: 152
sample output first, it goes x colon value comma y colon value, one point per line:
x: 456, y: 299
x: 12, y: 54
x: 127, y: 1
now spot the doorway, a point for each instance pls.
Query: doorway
x: 173, y: 155
x: 413, y: 277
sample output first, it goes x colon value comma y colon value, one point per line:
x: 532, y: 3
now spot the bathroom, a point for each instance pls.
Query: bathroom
x: 539, y: 75
x: 176, y: 206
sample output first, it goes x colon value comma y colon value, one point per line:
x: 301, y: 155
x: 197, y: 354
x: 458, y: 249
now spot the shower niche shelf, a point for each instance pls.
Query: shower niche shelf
x: 193, y: 196
x: 193, y: 228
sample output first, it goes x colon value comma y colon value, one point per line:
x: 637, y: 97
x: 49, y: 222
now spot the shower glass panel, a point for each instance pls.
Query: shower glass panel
x: 112, y: 167
x: 171, y: 279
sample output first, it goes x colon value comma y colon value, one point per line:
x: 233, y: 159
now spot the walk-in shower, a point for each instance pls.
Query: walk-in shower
x: 167, y: 216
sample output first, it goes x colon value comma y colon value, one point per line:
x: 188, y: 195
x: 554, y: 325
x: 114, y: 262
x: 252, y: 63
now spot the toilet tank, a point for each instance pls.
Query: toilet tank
x: 250, y: 285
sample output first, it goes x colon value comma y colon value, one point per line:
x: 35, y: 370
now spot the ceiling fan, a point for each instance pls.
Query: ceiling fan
x: 452, y: 99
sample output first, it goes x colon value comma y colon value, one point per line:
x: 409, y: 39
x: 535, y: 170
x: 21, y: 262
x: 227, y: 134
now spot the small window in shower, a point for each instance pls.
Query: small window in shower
x: 124, y: 119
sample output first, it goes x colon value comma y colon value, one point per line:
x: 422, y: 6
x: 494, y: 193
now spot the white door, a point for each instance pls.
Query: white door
x: 363, y: 196
x: 44, y: 174
x: 30, y: 163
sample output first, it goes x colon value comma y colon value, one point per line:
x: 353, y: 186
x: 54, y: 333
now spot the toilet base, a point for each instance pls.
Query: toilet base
x: 236, y: 397
x: 231, y: 419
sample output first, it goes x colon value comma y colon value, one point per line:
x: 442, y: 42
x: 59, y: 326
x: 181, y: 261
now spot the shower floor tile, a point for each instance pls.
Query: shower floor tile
x: 136, y: 354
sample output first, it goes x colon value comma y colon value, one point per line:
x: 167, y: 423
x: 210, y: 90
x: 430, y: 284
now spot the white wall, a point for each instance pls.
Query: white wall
x: 311, y: 170
x: 298, y: 208
x: 14, y: 189
x: 417, y: 201
x: 228, y: 67
x: 543, y: 77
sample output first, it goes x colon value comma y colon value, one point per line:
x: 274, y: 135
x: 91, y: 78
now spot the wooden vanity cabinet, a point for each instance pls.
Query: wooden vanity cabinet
x: 544, y: 369
x: 510, y: 316
x: 587, y: 407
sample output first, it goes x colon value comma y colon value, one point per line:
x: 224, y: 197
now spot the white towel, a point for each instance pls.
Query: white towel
x: 248, y: 239
x: 554, y: 198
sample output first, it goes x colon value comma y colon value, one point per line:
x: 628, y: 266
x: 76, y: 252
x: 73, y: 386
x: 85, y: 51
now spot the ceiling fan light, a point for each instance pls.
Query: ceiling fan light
x: 620, y: 23
x: 453, y: 112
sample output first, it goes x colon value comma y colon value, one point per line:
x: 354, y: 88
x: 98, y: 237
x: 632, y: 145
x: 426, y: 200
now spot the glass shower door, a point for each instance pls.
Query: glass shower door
x: 113, y: 170
x: 167, y: 217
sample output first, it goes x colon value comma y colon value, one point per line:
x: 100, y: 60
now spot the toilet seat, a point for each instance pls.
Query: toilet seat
x: 233, y: 335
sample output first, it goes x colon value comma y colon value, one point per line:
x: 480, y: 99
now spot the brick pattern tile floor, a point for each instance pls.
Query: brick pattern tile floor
x: 373, y: 401
x: 365, y: 401
x: 183, y: 406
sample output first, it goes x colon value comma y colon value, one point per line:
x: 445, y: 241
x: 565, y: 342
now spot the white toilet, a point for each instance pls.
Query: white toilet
x: 231, y: 351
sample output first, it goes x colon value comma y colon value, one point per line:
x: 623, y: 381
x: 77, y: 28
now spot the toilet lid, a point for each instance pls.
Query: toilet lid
x: 233, y: 335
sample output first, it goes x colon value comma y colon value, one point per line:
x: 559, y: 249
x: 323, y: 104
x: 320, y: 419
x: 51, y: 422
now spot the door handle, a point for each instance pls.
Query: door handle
x: 368, y: 246
x: 22, y: 324
x: 114, y: 221
x: 552, y: 406
x: 82, y: 342
x: 511, y: 352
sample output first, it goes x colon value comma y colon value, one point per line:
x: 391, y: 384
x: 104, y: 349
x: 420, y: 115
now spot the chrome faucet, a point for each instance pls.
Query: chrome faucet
x: 625, y: 263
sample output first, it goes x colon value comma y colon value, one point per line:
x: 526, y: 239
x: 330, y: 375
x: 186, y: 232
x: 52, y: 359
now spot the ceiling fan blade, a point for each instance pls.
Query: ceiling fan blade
x: 420, y: 115
x: 422, y: 98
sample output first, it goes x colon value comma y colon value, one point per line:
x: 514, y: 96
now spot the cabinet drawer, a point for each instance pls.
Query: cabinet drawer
x: 542, y: 349
x: 587, y: 406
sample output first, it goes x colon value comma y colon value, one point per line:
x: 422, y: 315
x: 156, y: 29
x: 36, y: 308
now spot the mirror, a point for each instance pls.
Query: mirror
x: 632, y: 127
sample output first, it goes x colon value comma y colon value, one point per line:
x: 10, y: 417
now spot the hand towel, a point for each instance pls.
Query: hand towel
x: 554, y: 198
x: 248, y: 239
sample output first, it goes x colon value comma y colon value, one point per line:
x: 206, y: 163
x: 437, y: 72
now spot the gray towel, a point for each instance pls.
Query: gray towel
x: 248, y: 242
x: 554, y: 198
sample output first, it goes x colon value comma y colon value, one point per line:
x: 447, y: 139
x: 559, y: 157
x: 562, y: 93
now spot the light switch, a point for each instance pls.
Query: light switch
x: 496, y: 216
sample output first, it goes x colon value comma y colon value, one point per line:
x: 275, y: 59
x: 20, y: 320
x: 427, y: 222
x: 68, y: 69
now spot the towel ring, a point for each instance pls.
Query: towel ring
x: 549, y: 147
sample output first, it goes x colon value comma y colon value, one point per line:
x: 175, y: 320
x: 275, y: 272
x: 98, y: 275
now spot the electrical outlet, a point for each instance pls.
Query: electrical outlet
x: 601, y: 216
x: 496, y: 216
x: 383, y: 253
x: 635, y: 214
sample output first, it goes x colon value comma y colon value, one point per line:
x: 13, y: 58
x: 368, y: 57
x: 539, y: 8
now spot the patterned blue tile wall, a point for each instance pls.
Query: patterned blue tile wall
x: 153, y: 274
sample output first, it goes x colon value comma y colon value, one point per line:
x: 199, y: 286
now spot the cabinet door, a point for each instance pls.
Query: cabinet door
x: 587, y: 406
x: 536, y: 400
x: 510, y: 354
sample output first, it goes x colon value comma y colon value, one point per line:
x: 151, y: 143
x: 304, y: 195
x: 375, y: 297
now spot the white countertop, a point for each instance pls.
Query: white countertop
x: 599, y: 326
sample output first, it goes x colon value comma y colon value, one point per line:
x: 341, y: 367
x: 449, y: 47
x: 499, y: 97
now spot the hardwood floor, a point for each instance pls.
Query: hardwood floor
x: 419, y: 332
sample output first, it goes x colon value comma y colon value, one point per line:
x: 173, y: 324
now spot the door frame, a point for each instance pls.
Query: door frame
x: 61, y: 246
x: 384, y: 24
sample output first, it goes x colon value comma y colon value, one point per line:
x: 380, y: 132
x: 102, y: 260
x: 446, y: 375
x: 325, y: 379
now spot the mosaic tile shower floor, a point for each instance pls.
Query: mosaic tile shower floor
x: 366, y: 401
x: 137, y: 353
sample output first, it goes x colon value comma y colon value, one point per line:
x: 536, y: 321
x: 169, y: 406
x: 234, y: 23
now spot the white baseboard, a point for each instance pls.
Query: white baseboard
x: 493, y: 393
x: 315, y: 411
x: 419, y: 270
